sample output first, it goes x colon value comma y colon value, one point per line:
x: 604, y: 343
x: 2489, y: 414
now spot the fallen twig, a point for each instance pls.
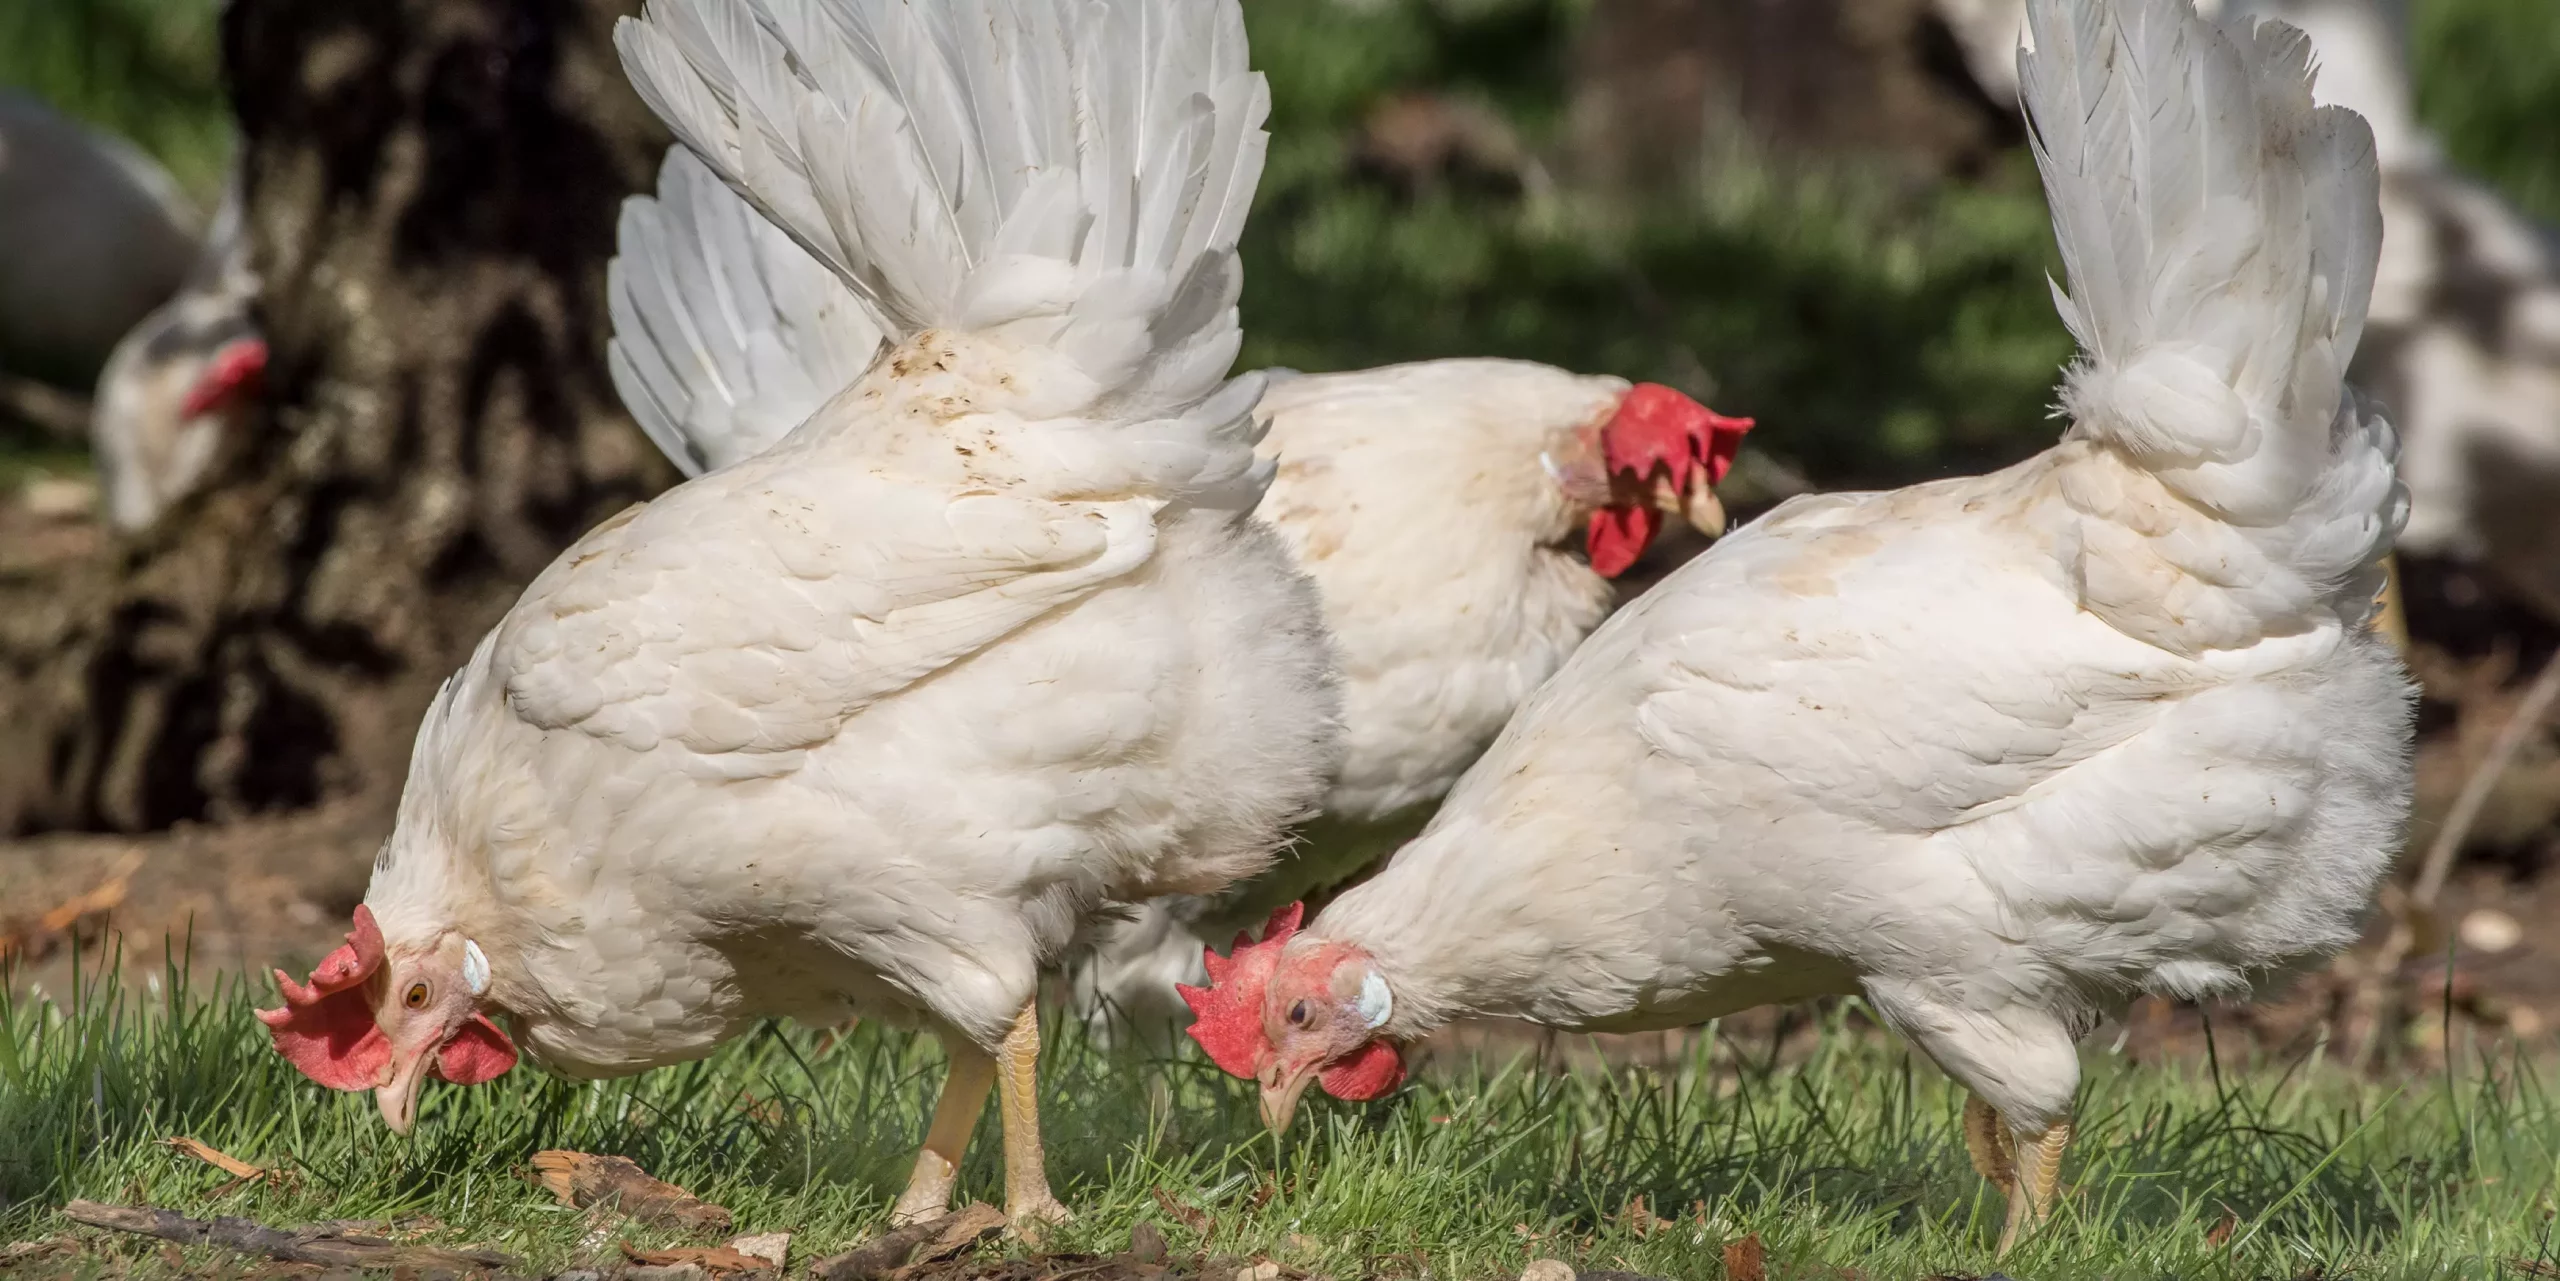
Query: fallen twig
x: 913, y: 1244
x: 2530, y: 713
x: 59, y: 414
x: 242, y: 1173
x: 35, y: 938
x: 323, y: 1246
x: 582, y: 1180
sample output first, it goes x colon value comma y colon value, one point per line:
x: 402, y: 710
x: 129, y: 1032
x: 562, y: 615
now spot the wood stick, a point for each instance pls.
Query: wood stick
x: 323, y: 1246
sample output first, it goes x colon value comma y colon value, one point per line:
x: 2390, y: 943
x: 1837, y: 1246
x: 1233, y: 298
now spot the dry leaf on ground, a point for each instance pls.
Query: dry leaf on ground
x: 1746, y: 1260
x: 899, y: 1250
x: 714, y: 1259
x: 582, y: 1179
x: 772, y: 1247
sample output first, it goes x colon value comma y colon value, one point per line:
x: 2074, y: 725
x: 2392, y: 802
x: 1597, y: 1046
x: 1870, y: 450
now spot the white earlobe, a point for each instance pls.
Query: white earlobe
x: 475, y: 968
x: 1376, y: 1002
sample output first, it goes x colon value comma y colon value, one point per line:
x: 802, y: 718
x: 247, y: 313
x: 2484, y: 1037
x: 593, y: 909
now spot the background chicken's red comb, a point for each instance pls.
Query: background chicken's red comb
x: 1227, y: 1014
x: 326, y: 1029
x: 1659, y: 425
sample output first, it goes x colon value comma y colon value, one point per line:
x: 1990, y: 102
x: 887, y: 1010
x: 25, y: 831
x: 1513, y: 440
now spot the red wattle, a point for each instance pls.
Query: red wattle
x: 1371, y: 1072
x: 1618, y: 536
x: 477, y: 1052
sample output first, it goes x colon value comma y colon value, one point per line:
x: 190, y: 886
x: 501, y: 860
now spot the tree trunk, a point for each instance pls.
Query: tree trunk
x: 431, y: 187
x: 1664, y: 88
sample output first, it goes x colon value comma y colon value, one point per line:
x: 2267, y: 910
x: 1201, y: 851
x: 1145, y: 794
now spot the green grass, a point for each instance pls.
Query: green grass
x: 1847, y: 1159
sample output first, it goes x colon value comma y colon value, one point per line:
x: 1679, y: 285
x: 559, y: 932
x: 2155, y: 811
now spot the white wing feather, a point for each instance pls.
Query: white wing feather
x: 2221, y: 234
x: 1070, y: 173
x: 726, y: 334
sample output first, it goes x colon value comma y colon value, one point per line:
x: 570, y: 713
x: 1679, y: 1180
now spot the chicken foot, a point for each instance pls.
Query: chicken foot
x: 955, y: 1118
x: 1027, y: 1200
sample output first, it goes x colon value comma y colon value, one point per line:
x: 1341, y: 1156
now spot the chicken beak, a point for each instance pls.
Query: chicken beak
x: 1281, y: 1087
x: 398, y: 1097
x: 1696, y: 502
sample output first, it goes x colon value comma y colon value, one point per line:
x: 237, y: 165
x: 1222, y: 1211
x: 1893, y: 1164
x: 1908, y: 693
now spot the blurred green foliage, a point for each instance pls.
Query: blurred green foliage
x: 2488, y: 75
x: 147, y: 69
x: 1879, y: 335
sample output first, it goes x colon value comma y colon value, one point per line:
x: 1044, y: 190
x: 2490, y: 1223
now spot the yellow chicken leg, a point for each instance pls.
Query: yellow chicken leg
x: 1027, y: 1200
x: 955, y: 1117
x: 2039, y: 1181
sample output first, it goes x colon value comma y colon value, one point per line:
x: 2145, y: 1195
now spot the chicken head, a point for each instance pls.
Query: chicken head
x: 384, y: 1018
x: 1661, y: 451
x: 1286, y: 1017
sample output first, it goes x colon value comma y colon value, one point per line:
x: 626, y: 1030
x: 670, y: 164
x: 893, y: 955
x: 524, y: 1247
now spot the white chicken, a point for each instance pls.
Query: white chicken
x: 880, y: 716
x: 190, y: 371
x: 1434, y: 504
x: 1997, y: 753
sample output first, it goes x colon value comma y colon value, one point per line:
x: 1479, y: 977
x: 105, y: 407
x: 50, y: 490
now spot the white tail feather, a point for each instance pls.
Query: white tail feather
x: 2220, y: 233
x: 726, y: 334
x: 1068, y: 174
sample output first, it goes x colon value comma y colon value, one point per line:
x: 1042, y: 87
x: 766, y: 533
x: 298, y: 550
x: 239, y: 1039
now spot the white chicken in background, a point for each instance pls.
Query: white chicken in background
x: 878, y: 718
x: 1434, y: 504
x: 2464, y: 337
x: 189, y: 372
x: 1997, y: 753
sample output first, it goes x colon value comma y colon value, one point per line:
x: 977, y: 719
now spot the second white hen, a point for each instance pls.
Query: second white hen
x: 1998, y: 753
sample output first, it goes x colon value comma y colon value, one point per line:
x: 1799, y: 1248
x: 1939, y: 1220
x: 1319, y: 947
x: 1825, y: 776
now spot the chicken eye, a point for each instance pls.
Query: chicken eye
x: 1298, y: 1014
x: 416, y: 997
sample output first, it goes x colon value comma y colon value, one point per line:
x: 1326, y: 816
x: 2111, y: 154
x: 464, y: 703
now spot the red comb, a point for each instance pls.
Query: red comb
x: 1227, y: 1014
x: 236, y: 368
x: 326, y: 1030
x: 1656, y: 426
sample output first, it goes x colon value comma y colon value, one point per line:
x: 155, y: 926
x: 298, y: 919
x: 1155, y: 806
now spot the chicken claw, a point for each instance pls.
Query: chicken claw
x: 1027, y: 1200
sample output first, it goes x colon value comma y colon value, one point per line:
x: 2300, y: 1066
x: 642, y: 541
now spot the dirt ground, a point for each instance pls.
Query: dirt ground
x: 278, y: 891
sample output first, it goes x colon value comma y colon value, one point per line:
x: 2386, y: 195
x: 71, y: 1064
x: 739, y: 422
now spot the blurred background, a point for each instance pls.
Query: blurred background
x: 1821, y: 213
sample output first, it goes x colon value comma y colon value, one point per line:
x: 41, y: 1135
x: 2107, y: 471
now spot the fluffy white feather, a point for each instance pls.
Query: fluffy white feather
x: 726, y: 334
x: 1072, y: 187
